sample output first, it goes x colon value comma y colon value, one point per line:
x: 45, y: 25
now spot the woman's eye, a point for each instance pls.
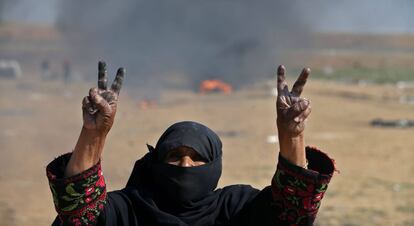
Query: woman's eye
x: 197, y: 158
x: 173, y: 157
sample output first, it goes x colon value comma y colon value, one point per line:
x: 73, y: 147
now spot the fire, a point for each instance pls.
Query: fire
x: 147, y: 104
x: 215, y: 85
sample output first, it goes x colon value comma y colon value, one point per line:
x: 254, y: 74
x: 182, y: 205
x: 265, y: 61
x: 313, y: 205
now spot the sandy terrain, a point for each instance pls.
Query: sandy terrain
x: 375, y: 187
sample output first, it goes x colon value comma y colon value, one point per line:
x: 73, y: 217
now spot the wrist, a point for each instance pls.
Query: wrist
x: 94, y: 133
x: 86, y: 153
x: 90, y: 143
x: 292, y: 148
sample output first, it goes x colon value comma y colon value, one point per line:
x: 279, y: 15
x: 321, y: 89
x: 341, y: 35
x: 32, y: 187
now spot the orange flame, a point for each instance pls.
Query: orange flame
x: 208, y: 86
x: 147, y: 104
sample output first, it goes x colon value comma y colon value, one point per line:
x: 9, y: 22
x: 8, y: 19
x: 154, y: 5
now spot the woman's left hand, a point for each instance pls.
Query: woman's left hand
x: 292, y: 111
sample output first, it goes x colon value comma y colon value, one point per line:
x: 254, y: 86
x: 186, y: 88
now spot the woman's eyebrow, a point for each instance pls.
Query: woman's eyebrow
x: 197, y: 156
x: 173, y: 153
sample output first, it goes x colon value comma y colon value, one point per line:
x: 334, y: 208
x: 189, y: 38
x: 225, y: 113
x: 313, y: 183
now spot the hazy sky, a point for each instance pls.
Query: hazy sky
x: 323, y: 15
x: 234, y: 40
x: 31, y: 11
x: 366, y: 16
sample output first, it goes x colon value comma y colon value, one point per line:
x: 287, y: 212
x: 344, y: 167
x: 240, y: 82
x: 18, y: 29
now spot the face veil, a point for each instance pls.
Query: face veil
x: 164, y: 194
x: 185, y: 186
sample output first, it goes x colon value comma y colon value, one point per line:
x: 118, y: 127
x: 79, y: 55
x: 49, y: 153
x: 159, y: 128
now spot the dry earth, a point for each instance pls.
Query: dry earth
x: 40, y: 121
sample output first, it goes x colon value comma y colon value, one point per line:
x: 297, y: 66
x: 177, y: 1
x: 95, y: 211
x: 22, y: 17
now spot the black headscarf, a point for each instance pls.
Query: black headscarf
x: 158, y: 193
x: 186, y: 187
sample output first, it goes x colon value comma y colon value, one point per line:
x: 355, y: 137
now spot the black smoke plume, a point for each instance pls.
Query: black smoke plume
x: 236, y: 41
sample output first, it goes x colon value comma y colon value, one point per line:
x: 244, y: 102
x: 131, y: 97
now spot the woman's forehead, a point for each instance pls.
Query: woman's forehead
x: 191, y: 135
x: 184, y: 150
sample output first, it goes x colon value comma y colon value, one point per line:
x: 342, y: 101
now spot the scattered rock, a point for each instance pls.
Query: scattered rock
x: 399, y: 123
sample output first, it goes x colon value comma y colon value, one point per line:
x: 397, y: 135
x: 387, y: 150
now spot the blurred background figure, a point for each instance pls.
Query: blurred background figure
x: 67, y: 71
x: 45, y: 70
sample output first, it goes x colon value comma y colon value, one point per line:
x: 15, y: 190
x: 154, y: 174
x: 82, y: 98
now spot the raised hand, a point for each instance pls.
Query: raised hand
x: 292, y: 110
x: 99, y: 108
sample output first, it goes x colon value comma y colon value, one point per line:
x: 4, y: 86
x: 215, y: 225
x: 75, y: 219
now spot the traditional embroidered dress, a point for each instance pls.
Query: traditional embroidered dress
x: 292, y: 199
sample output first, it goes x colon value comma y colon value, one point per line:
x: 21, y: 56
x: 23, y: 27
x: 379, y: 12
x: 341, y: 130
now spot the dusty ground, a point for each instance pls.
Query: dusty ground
x: 375, y: 187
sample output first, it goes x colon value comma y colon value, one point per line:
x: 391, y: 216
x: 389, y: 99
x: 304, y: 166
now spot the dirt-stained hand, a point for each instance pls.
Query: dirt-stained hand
x: 292, y: 110
x: 99, y: 107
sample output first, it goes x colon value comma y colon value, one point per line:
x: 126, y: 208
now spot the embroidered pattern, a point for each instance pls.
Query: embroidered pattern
x: 297, y: 196
x: 80, y: 199
x: 297, y: 192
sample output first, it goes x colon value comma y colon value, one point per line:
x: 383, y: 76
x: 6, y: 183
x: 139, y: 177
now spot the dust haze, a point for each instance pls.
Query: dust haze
x: 179, y: 43
x: 236, y: 41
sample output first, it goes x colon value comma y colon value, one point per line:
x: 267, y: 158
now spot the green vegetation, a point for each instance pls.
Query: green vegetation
x: 373, y: 75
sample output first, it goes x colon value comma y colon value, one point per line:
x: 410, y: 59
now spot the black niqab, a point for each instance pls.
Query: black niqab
x: 193, y: 135
x: 161, y: 194
x: 183, y: 188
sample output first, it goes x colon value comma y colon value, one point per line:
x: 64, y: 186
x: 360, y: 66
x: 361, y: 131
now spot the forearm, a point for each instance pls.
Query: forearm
x: 87, y: 152
x: 80, y: 199
x: 294, y: 196
x: 292, y: 148
x: 297, y: 192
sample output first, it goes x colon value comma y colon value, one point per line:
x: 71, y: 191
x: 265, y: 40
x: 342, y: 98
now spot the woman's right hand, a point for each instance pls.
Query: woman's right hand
x: 99, y: 107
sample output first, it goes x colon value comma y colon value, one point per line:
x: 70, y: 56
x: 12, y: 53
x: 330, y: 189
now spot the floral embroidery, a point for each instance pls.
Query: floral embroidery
x: 79, y: 199
x: 297, y: 192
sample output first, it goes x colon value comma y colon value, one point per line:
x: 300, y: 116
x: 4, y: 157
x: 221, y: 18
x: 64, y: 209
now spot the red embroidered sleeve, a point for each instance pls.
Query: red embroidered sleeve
x: 78, y: 199
x: 297, y: 192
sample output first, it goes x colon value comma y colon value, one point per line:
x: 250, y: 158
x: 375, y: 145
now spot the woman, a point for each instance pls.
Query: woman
x: 175, y: 183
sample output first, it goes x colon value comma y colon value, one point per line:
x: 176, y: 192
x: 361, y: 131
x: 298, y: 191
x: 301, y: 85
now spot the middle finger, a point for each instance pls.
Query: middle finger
x: 102, y: 77
x: 300, y: 82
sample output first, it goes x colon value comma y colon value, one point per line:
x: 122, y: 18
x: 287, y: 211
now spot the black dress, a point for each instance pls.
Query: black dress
x: 161, y: 194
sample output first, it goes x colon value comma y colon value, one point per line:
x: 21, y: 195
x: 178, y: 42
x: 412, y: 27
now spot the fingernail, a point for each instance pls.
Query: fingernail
x: 281, y: 69
x: 101, y: 64
x: 94, y: 92
x: 296, y: 119
x: 121, y: 70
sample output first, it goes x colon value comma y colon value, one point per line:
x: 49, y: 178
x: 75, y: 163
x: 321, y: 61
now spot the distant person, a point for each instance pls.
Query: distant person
x: 67, y: 72
x: 175, y: 182
x: 45, y: 69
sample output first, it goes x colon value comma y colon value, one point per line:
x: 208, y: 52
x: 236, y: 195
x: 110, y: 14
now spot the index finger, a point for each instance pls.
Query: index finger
x: 102, y: 78
x: 281, y: 83
x: 300, y: 82
x: 117, y: 84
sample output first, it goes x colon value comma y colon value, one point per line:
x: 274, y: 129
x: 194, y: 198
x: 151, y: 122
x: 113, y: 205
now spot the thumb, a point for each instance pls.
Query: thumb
x: 98, y: 101
x: 297, y: 109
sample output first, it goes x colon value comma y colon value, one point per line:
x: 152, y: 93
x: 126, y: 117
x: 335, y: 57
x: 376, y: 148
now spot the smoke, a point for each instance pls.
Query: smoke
x: 28, y: 11
x: 363, y: 16
x: 4, y: 6
x: 236, y: 41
